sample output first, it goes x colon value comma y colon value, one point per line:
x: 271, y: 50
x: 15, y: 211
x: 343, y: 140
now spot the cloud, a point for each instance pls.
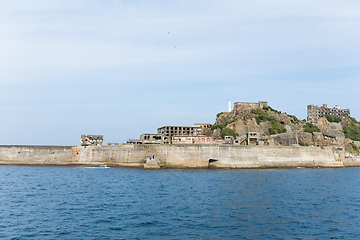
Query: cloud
x: 154, y: 55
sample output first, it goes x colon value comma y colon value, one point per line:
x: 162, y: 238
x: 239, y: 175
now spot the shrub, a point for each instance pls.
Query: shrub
x: 228, y: 132
x: 276, y: 127
x: 352, y: 131
x: 218, y: 115
x: 354, y: 147
x: 332, y: 118
x: 303, y: 144
x: 310, y: 128
x: 222, y: 125
x: 271, y: 131
x: 353, y: 120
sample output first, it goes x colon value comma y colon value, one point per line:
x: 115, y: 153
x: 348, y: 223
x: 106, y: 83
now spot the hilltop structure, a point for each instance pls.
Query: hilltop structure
x: 314, y: 113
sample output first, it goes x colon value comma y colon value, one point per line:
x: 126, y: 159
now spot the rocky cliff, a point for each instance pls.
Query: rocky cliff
x: 277, y: 128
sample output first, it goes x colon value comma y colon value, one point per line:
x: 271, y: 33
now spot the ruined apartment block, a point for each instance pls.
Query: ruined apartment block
x: 170, y: 131
x: 315, y: 112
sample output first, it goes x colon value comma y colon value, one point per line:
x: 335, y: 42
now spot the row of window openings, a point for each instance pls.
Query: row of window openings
x: 172, y: 132
x: 176, y: 128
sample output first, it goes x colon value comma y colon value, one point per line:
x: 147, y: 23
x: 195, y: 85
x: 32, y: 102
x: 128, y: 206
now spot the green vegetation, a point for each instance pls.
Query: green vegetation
x: 228, y: 132
x: 354, y: 147
x: 310, y: 128
x: 294, y: 119
x: 303, y: 144
x: 332, y: 118
x: 353, y: 120
x: 353, y: 130
x: 276, y: 126
x: 222, y: 125
x: 218, y: 115
x: 272, y: 131
x: 271, y: 109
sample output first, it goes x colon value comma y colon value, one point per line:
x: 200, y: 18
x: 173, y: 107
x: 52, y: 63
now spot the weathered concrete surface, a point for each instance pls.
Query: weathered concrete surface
x: 176, y: 156
x: 36, y: 155
x: 352, y: 160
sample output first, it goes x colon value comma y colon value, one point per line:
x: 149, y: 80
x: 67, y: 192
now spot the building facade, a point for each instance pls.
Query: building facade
x: 170, y: 131
x: 315, y: 112
x: 259, y: 104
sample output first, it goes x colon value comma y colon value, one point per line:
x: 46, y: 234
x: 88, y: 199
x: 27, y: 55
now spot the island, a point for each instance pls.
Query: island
x: 251, y: 135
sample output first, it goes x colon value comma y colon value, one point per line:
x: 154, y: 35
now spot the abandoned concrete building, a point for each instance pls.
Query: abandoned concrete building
x: 179, y: 131
x: 150, y: 139
x: 315, y: 112
x: 91, y: 140
x: 176, y: 135
x: 171, y: 131
x: 259, y: 104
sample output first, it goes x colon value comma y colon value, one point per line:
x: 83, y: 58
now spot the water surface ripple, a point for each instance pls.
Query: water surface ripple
x: 116, y: 203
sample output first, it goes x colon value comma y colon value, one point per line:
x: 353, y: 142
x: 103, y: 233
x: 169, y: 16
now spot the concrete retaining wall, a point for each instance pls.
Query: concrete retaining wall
x: 36, y: 155
x: 176, y: 156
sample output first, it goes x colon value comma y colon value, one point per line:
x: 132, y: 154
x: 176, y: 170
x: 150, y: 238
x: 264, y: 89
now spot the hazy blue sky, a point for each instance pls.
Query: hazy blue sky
x: 123, y: 68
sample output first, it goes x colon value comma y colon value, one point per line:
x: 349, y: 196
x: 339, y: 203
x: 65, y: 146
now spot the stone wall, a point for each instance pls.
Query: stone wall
x: 213, y: 156
x: 176, y: 156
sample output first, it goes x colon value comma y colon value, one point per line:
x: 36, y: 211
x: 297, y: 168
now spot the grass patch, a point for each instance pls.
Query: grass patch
x: 332, y: 118
x: 353, y: 130
x: 310, y: 128
x: 303, y: 144
x: 355, y: 148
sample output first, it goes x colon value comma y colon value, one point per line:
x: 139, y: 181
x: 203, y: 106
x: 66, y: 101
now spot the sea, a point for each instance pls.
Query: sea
x: 48, y: 202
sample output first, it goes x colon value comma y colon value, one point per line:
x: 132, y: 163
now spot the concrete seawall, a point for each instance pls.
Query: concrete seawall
x: 178, y: 156
x: 36, y: 155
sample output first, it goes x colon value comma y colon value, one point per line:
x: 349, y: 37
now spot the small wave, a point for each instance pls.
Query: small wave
x: 100, y: 166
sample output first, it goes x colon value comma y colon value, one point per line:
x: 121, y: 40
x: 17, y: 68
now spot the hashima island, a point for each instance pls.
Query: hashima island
x: 251, y: 135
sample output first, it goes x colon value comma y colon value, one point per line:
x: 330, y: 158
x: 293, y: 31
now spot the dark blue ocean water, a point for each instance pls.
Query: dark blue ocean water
x: 116, y: 203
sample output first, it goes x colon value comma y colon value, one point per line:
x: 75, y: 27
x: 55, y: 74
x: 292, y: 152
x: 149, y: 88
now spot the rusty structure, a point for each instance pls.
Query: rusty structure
x: 91, y: 140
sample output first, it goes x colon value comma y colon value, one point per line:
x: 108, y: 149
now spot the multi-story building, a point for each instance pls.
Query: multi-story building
x: 315, y: 112
x: 171, y: 131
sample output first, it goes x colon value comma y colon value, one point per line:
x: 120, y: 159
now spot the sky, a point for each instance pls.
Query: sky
x: 124, y: 68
